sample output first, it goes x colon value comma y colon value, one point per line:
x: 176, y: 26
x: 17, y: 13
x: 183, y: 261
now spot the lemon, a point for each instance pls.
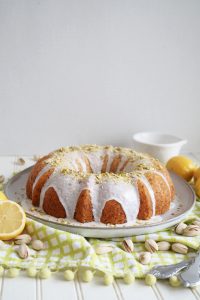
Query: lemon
x: 3, y: 196
x: 183, y: 166
x: 12, y: 220
x: 197, y: 187
x: 196, y: 174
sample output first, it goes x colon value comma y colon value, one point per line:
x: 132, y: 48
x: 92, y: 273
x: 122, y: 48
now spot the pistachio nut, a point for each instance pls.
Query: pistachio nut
x: 22, y: 239
x: 151, y: 245
x: 163, y: 246
x: 191, y: 230
x: 180, y: 228
x: 179, y: 248
x: 20, y: 161
x: 37, y: 245
x: 103, y: 248
x: 23, y: 251
x: 128, y: 245
x: 197, y: 222
x: 145, y: 258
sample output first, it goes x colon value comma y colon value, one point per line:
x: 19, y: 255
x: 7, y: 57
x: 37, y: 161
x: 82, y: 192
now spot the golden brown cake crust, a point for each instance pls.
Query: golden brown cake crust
x: 52, y: 205
x: 124, y: 165
x: 161, y: 192
x: 113, y: 213
x: 146, y: 210
x: 165, y: 172
x: 39, y: 185
x: 88, y: 166
x: 83, y: 212
x: 115, y: 163
x: 34, y: 172
x: 167, y: 176
x: 104, y: 164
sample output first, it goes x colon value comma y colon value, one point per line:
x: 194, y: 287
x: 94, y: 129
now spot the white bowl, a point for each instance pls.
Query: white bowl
x: 159, y: 145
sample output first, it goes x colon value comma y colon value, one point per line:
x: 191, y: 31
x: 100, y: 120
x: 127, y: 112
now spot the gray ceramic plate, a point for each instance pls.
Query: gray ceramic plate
x: 181, y: 206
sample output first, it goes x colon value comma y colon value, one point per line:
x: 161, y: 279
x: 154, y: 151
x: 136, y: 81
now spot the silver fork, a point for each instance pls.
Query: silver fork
x: 188, y: 271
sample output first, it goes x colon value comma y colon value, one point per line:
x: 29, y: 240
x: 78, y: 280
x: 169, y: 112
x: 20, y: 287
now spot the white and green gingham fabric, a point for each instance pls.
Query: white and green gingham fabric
x: 65, y: 250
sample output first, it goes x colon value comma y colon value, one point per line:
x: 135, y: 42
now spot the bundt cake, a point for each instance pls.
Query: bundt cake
x: 106, y: 184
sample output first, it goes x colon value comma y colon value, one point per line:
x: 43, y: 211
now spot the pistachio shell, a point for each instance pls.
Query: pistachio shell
x: 163, y: 246
x: 128, y: 245
x: 103, y: 248
x: 197, y: 222
x: 37, y: 245
x: 180, y: 228
x: 192, y: 230
x: 20, y: 161
x: 145, y: 258
x: 23, y: 239
x: 23, y: 251
x: 151, y: 245
x: 179, y: 248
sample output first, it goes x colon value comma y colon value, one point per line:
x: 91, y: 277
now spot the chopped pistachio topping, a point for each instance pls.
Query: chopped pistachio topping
x: 59, y: 161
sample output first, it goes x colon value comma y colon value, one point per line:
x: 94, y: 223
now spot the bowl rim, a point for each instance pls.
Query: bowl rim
x: 137, y: 137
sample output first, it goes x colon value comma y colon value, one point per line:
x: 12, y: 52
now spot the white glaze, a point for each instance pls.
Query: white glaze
x: 165, y: 180
x: 67, y: 188
x: 133, y: 165
x: 151, y: 193
x: 111, y: 156
x: 124, y: 158
x: 124, y: 193
x: 96, y: 159
x: 70, y: 160
x: 45, y: 169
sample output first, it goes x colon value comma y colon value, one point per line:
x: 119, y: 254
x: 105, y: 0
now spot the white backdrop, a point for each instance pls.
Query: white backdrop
x: 96, y: 71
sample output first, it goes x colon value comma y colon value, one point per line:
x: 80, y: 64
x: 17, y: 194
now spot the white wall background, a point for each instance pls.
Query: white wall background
x: 96, y: 71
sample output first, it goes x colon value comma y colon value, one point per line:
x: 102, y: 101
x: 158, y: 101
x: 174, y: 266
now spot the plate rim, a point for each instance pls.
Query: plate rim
x: 142, y: 226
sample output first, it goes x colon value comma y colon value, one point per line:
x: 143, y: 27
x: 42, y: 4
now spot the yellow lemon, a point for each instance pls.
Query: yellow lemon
x: 196, y: 174
x: 197, y: 187
x: 12, y: 220
x: 182, y: 165
x: 3, y: 196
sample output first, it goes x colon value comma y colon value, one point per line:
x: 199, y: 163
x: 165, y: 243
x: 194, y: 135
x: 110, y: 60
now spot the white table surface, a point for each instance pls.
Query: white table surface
x: 56, y: 288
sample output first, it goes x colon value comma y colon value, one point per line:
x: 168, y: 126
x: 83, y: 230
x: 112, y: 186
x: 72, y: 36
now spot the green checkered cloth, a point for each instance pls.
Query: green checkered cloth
x: 66, y: 250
